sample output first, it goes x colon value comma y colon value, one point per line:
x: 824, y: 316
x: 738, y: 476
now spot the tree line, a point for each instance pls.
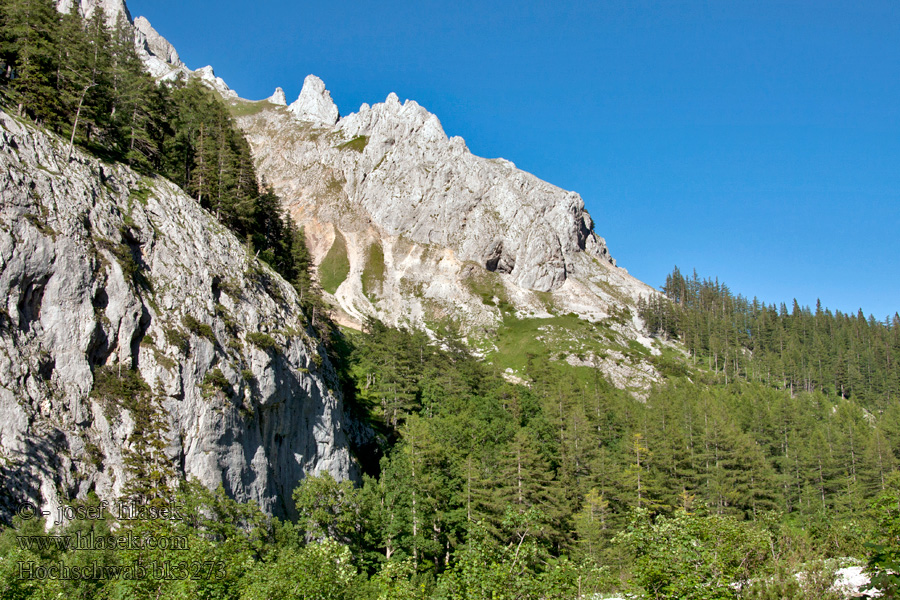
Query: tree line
x: 797, y: 349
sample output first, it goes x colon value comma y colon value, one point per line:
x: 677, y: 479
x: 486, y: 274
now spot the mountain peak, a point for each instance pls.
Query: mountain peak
x: 314, y: 103
x: 155, y: 44
x: 207, y: 75
x: 278, y: 97
x: 112, y: 8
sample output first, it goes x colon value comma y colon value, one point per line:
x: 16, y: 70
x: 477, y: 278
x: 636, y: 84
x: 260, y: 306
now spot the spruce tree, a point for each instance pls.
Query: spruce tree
x: 29, y: 32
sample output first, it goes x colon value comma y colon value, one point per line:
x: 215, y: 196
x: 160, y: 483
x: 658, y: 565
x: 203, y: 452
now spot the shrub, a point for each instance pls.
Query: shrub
x: 215, y: 381
x: 164, y: 361
x: 198, y: 328
x: 231, y: 287
x: 176, y: 338
x: 262, y: 340
x: 119, y: 385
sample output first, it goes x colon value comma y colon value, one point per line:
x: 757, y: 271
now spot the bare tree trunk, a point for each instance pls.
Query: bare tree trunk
x: 77, y: 115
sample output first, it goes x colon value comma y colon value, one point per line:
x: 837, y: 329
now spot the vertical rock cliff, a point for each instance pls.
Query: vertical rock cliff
x: 108, y: 276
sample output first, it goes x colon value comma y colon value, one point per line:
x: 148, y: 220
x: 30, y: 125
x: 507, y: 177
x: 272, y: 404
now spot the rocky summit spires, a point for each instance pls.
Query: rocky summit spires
x: 112, y: 8
x: 315, y: 104
x: 278, y: 97
x: 155, y: 44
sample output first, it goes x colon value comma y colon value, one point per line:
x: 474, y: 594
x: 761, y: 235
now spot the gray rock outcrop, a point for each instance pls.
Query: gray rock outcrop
x: 430, y: 234
x: 107, y: 271
x: 278, y: 97
x: 208, y: 76
x: 395, y: 166
x: 112, y: 8
x: 159, y: 56
x: 314, y: 104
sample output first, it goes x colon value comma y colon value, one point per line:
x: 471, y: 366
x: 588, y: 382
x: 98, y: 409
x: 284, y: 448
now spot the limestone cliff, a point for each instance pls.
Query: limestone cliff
x: 107, y: 271
x: 409, y: 226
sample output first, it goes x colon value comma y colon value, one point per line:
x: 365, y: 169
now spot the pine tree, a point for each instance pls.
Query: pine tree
x: 301, y: 258
x: 29, y: 30
x: 136, y: 110
x: 593, y: 525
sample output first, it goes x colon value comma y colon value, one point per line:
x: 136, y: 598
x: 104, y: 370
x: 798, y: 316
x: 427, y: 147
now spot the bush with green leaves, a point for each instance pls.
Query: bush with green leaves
x: 327, y: 508
x: 198, y: 328
x: 693, y: 556
x: 319, y: 571
x: 884, y: 552
x: 262, y: 340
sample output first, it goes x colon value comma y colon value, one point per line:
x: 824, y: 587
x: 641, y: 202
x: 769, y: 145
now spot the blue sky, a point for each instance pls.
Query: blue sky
x: 755, y: 141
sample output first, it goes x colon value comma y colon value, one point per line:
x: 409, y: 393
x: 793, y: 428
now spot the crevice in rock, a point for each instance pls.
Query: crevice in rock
x: 216, y: 288
x: 46, y: 365
x: 498, y: 261
x: 134, y: 246
x: 100, y: 300
x: 139, y: 333
x: 29, y: 304
x: 98, y: 347
x: 493, y: 257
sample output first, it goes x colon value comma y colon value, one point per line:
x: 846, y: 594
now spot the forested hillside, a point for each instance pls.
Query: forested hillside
x: 797, y: 349
x: 488, y: 489
x: 770, y: 448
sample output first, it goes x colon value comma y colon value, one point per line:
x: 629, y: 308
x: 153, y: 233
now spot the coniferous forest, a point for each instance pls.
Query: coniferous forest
x: 770, y: 448
x: 795, y: 349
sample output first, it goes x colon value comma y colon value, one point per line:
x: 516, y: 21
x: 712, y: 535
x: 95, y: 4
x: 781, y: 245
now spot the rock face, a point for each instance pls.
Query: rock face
x: 112, y: 8
x: 104, y: 271
x: 158, y: 55
x: 396, y: 165
x: 390, y: 167
x: 428, y: 233
x: 314, y: 104
x: 207, y: 76
x: 278, y: 97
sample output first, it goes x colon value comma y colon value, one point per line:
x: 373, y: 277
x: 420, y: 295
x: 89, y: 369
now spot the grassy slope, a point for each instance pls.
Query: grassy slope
x: 335, y: 266
x: 373, y: 272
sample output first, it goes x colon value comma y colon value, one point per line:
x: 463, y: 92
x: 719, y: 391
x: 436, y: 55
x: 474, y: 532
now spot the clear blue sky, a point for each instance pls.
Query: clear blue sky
x: 757, y: 141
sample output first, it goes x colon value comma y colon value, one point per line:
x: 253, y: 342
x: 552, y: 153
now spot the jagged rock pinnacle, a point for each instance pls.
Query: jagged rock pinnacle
x: 314, y: 103
x: 278, y: 97
x: 207, y: 75
x: 154, y: 43
x: 112, y: 8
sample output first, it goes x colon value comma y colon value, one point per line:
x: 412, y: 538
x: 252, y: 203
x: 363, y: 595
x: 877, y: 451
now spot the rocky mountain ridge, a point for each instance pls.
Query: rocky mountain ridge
x: 113, y: 277
x: 159, y: 56
x: 424, y: 233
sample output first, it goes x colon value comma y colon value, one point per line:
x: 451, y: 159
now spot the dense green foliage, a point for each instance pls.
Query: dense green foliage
x: 488, y: 489
x: 81, y: 79
x: 798, y: 349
